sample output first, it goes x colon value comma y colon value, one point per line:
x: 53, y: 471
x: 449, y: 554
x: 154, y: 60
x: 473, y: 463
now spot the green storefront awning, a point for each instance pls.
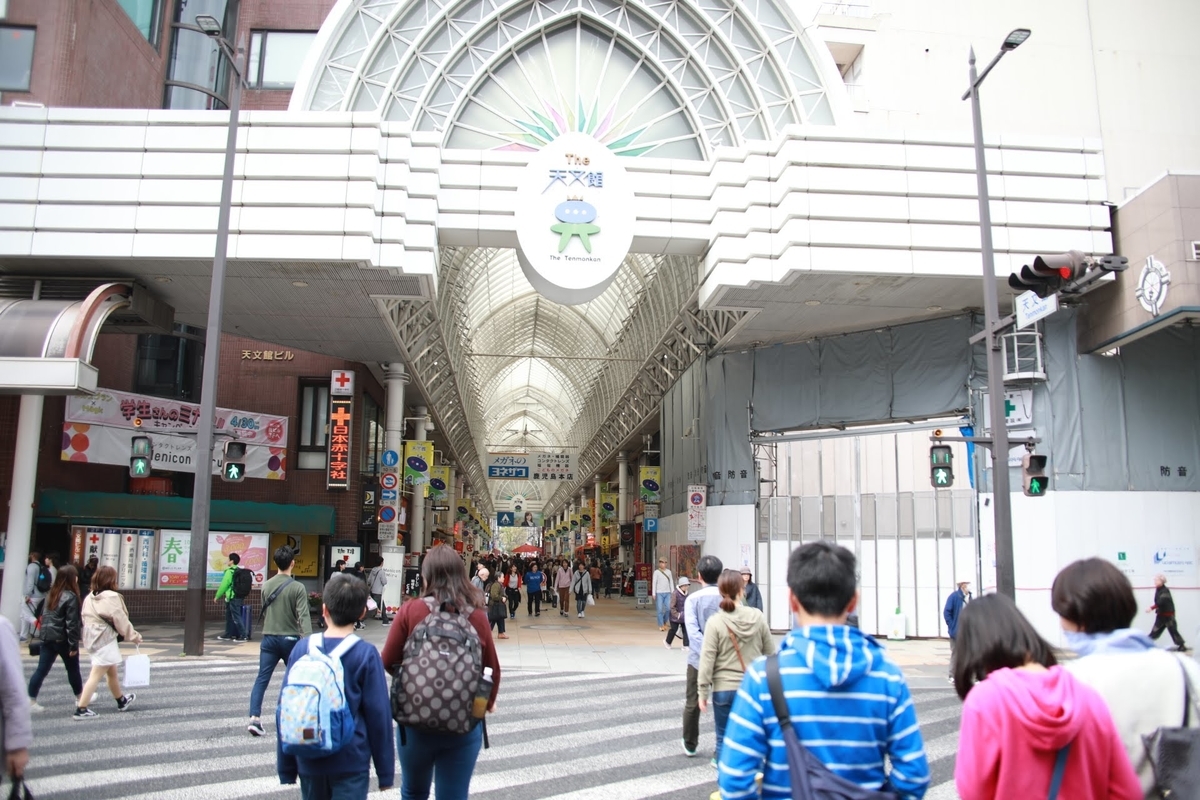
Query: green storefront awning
x: 149, y: 511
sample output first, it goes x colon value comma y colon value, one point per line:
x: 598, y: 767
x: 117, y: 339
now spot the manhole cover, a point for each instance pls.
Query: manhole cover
x: 552, y: 627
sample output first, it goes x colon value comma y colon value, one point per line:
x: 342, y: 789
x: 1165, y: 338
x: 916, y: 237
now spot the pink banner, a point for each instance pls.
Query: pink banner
x: 115, y: 409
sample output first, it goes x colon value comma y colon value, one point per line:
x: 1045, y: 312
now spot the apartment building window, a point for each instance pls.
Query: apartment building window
x: 276, y: 58
x: 314, y: 424
x: 168, y: 366
x: 146, y: 15
x: 16, y: 58
x: 373, y: 431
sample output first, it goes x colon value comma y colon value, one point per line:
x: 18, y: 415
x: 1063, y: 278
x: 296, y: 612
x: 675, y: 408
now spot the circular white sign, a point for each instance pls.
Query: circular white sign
x: 575, y: 219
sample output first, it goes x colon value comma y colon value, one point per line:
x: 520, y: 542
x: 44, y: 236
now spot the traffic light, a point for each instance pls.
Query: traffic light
x: 1034, y: 480
x: 1048, y: 274
x: 141, y: 457
x: 233, y: 463
x: 941, y: 466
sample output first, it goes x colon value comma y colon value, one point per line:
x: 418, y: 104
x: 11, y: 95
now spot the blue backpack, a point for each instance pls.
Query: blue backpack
x: 314, y: 718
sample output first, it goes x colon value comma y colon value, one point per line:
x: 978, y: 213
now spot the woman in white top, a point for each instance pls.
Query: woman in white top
x: 1142, y: 685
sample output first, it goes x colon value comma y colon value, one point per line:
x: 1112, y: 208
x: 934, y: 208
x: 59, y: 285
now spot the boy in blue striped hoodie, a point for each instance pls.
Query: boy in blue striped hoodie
x: 848, y: 703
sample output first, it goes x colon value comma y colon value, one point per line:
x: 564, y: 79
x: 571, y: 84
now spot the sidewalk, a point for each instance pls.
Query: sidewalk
x: 615, y: 637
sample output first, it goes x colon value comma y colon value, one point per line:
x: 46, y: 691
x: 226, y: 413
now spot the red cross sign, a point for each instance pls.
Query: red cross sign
x: 341, y: 383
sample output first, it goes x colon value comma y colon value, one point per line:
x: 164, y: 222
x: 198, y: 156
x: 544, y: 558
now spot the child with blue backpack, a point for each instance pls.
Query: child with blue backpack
x: 334, y: 714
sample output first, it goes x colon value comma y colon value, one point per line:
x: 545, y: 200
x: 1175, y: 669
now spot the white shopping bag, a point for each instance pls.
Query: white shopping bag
x: 590, y: 601
x: 371, y: 604
x: 137, y: 671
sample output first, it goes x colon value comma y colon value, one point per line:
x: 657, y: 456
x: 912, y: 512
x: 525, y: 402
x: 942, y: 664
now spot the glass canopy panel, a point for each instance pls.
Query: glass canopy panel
x: 576, y: 78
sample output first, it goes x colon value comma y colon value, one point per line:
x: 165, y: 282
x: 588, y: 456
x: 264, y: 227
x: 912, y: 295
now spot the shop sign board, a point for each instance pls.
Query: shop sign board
x: 418, y: 456
x: 532, y: 466
x: 341, y: 422
x: 697, y: 511
x: 306, y: 549
x: 650, y: 484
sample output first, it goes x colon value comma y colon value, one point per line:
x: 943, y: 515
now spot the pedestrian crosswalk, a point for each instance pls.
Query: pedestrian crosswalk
x: 571, y: 736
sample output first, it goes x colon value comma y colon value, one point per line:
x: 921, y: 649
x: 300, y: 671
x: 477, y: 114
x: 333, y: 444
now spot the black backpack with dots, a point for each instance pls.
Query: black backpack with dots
x: 434, y: 686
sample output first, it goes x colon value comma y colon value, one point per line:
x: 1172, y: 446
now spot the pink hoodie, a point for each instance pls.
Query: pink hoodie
x: 1013, y: 725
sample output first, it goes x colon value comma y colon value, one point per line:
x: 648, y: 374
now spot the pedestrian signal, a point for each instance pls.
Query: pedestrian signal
x: 233, y: 463
x: 141, y: 457
x: 941, y: 466
x: 1034, y: 480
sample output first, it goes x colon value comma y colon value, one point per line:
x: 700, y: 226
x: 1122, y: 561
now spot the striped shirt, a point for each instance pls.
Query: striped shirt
x: 849, y: 705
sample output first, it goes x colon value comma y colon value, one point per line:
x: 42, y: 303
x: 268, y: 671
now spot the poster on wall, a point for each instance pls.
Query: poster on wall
x: 145, y: 560
x: 650, y: 484
x: 348, y: 553
x: 1175, y: 560
x: 173, y: 557
x: 251, y: 547
x: 306, y: 549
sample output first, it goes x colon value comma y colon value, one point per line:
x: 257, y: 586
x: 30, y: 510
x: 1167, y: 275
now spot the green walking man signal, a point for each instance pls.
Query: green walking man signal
x: 1034, y: 479
x: 233, y: 463
x: 141, y: 457
x: 941, y: 466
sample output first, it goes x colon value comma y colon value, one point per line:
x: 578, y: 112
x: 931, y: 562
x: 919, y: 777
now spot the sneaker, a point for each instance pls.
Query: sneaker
x: 239, y: 640
x: 255, y: 727
x: 538, y: 614
x: 1181, y: 649
x: 83, y: 713
x: 582, y: 615
x: 386, y: 622
x: 224, y: 638
x: 666, y: 644
x: 34, y: 707
x: 125, y: 702
x: 689, y: 753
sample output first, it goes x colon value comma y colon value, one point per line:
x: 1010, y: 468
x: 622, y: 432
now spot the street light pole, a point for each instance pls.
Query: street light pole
x: 193, y: 625
x: 1002, y: 497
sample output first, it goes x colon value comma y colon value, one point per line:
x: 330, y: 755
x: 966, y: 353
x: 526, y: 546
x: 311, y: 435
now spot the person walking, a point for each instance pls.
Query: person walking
x: 233, y: 602
x: 376, y: 581
x: 750, y: 589
x: 661, y: 586
x: 535, y: 580
x: 1164, y: 614
x: 286, y: 619
x: 955, y: 603
x: 430, y: 756
x: 596, y: 576
x: 581, y: 585
x: 562, y: 585
x: 678, y: 598
x: 840, y: 694
x: 736, y: 635
x: 497, y: 603
x: 104, y: 617
x: 512, y: 590
x: 85, y: 576
x: 697, y: 609
x: 1027, y: 722
x: 37, y: 584
x: 61, y: 630
x: 481, y: 577
x: 606, y: 576
x: 16, y: 726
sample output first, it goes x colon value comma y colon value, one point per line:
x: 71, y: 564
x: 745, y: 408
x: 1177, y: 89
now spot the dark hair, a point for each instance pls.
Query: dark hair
x: 1095, y: 595
x: 104, y: 580
x: 445, y: 580
x: 994, y: 634
x: 822, y: 577
x: 345, y: 598
x: 357, y: 564
x: 67, y: 579
x: 235, y: 559
x: 730, y: 586
x: 35, y: 555
x: 710, y: 568
x: 284, y: 557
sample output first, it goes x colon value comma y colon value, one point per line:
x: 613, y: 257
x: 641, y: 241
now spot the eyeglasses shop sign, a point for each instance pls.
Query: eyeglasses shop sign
x: 575, y: 219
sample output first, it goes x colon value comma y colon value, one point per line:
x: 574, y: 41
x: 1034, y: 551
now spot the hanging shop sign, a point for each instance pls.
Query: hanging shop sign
x: 532, y: 466
x: 306, y: 549
x: 341, y: 421
x: 99, y: 429
x: 608, y: 507
x: 439, y: 480
x: 575, y: 218
x: 697, y: 511
x: 417, y: 458
x: 650, y: 484
x: 341, y: 383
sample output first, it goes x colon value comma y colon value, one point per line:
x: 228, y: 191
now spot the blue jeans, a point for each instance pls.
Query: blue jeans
x: 233, y: 618
x: 721, y: 703
x: 447, y: 758
x: 351, y: 786
x: 273, y: 650
x: 662, y: 603
x: 51, y: 651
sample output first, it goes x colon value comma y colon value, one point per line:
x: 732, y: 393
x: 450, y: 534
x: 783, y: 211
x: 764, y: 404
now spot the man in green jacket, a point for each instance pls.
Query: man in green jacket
x: 285, y: 620
x: 233, y: 603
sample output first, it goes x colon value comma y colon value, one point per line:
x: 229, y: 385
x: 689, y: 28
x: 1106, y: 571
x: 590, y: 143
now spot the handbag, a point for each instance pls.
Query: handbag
x: 35, y: 638
x: 137, y: 671
x: 1174, y: 753
x: 20, y: 790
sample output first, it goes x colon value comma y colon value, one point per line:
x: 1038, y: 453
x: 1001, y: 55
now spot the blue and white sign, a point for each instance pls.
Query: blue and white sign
x: 498, y: 471
x: 1030, y: 308
x: 650, y: 525
x: 506, y: 519
x: 532, y: 466
x: 390, y: 458
x: 388, y: 495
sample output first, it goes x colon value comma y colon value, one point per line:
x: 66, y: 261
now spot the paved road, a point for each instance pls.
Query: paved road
x: 577, y: 736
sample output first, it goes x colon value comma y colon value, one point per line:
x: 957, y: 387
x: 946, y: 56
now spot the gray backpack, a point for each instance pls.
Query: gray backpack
x: 434, y: 686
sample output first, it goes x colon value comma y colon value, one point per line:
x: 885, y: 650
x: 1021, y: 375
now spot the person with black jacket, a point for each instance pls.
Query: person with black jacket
x: 85, y: 576
x: 61, y: 629
x: 1164, y: 614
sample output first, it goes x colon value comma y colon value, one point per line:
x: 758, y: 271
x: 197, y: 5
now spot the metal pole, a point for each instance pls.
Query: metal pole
x: 193, y: 621
x: 416, y: 514
x: 1002, y: 499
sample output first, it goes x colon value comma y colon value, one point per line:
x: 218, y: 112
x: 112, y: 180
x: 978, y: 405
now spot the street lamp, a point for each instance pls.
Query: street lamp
x: 193, y: 621
x: 1002, y: 500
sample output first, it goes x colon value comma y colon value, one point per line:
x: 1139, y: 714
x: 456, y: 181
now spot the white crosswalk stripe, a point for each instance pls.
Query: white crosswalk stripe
x: 563, y: 736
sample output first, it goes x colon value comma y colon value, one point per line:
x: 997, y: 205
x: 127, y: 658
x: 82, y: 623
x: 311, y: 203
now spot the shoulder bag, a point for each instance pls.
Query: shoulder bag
x: 263, y: 611
x: 1174, y: 753
x: 736, y: 648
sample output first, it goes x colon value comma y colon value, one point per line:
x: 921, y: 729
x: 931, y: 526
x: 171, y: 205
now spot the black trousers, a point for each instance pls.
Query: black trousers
x: 533, y: 601
x: 1166, y: 623
x: 514, y: 601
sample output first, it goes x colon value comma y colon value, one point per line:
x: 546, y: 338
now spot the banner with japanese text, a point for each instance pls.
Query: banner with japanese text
x: 417, y: 458
x: 608, y: 507
x: 439, y: 480
x: 650, y: 484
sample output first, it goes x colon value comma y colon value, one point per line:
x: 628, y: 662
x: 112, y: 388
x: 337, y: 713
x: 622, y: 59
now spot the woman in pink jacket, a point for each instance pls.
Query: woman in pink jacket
x: 1029, y: 728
